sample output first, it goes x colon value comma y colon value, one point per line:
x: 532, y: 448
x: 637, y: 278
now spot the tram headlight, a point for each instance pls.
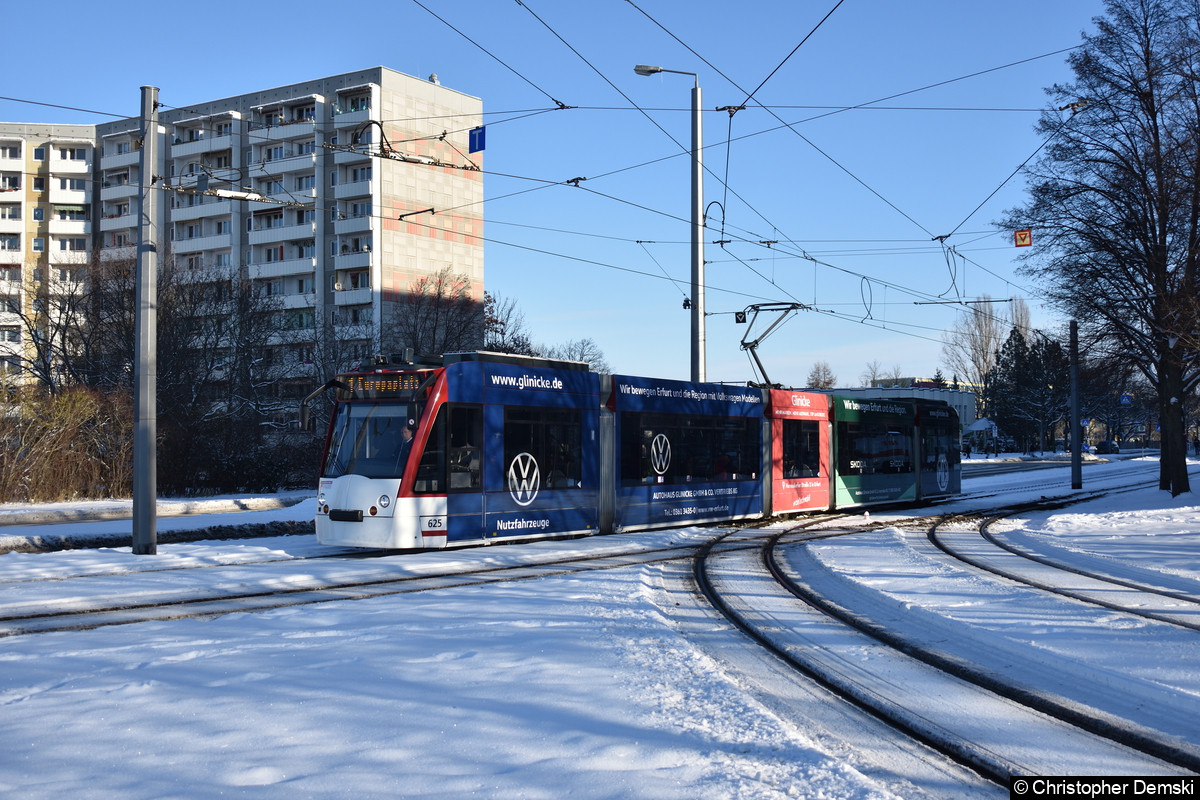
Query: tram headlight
x: 384, y: 501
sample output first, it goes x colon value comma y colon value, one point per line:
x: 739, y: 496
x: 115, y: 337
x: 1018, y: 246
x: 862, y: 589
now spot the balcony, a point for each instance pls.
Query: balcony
x: 11, y: 257
x: 353, y: 297
x: 118, y: 252
x: 305, y: 162
x: 285, y: 130
x: 219, y: 241
x: 355, y: 189
x: 199, y: 146
x: 349, y: 118
x: 122, y: 222
x: 351, y: 156
x: 215, y: 208
x: 130, y: 159
x: 74, y: 197
x: 119, y: 191
x: 70, y: 166
x: 354, y: 225
x: 297, y: 300
x: 282, y: 269
x: 70, y: 227
x: 351, y: 260
x: 12, y: 226
x: 285, y: 233
x: 76, y: 258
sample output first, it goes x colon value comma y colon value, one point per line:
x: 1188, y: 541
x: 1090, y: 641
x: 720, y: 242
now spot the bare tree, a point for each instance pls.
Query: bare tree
x: 821, y: 376
x: 894, y: 376
x: 439, y: 314
x: 969, y: 348
x: 872, y: 373
x: 585, y: 350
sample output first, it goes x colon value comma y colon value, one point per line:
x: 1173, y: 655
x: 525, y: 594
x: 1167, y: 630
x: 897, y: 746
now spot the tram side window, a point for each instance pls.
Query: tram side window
x: 431, y: 470
x: 801, y: 449
x: 553, y: 436
x: 466, y: 435
x: 869, y: 448
x: 451, y: 459
x: 670, y: 448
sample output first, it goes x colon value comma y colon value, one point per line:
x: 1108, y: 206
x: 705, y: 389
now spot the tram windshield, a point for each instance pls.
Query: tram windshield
x: 371, y: 439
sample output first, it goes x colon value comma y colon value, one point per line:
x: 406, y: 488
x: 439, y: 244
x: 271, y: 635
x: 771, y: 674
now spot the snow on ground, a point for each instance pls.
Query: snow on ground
x: 578, y: 685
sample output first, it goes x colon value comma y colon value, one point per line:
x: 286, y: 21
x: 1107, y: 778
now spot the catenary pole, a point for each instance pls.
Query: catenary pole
x: 699, y: 334
x: 145, y: 462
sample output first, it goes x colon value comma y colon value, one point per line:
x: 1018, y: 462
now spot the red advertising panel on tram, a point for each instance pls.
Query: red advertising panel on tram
x: 800, y: 465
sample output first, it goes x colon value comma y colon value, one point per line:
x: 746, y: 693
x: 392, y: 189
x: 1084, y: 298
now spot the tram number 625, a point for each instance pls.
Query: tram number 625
x: 437, y: 524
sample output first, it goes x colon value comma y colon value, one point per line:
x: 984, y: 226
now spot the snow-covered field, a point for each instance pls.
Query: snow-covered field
x: 582, y: 685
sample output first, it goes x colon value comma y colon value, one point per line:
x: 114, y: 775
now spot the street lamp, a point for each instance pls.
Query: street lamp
x: 697, y: 305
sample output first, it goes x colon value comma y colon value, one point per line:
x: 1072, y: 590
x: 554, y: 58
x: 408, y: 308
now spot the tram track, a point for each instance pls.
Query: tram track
x: 106, y: 609
x: 831, y: 638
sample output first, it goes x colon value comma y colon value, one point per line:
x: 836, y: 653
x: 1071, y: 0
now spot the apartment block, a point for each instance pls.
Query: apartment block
x: 332, y: 196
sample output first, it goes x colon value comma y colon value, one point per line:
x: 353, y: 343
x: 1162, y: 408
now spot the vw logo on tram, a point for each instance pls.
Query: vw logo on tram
x: 524, y: 479
x: 660, y: 454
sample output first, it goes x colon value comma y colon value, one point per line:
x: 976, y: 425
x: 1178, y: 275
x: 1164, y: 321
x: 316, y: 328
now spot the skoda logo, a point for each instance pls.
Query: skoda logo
x: 524, y: 479
x: 660, y: 454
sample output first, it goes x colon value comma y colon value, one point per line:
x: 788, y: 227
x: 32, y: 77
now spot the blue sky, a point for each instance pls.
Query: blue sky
x: 853, y: 198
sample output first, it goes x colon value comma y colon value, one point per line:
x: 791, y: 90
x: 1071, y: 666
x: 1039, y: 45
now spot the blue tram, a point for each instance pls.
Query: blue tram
x: 488, y: 447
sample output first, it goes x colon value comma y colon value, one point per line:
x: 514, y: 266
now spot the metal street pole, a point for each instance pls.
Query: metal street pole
x: 145, y: 462
x: 699, y: 356
x: 1076, y: 428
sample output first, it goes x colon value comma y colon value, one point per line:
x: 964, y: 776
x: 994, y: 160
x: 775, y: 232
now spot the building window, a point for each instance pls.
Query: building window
x: 39, y: 184
x: 39, y: 154
x: 360, y: 209
x: 10, y: 151
x: 360, y: 174
x: 73, y: 153
x: 224, y: 129
x: 75, y: 244
x: 71, y: 184
x: 10, y: 334
x: 10, y: 242
x: 39, y: 244
x: 10, y: 212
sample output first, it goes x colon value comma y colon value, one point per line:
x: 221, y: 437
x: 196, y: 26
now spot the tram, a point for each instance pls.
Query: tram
x: 488, y: 447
